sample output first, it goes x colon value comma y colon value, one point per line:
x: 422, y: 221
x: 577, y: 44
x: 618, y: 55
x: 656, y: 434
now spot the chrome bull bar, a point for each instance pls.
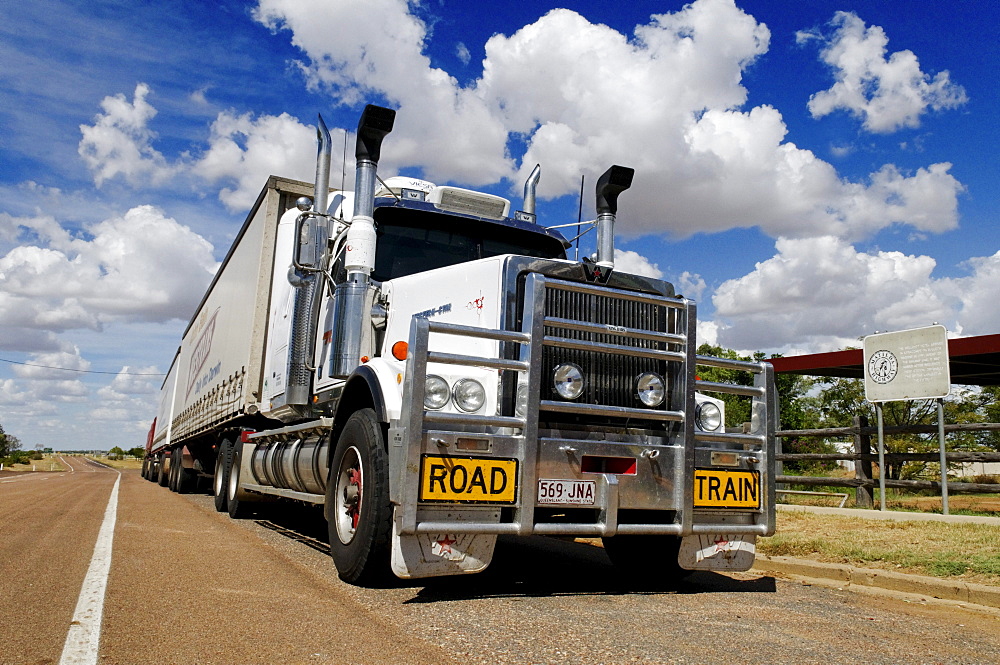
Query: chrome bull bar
x: 407, y: 442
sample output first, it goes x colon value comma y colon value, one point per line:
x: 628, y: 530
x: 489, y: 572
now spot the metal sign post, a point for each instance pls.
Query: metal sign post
x: 944, y: 458
x: 881, y: 457
x: 908, y: 365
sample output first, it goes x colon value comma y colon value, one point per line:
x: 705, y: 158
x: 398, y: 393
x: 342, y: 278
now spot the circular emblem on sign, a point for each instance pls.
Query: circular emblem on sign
x: 882, y: 366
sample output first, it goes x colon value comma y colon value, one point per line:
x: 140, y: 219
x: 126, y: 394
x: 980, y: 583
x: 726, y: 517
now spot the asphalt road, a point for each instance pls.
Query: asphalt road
x: 189, y: 585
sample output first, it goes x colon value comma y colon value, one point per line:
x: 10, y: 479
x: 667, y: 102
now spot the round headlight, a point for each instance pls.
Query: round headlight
x: 521, y: 401
x: 469, y: 395
x: 650, y: 389
x: 568, y: 381
x: 436, y: 392
x: 708, y: 416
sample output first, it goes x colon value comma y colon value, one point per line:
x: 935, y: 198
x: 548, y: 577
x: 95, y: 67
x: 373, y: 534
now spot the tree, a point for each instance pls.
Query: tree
x: 9, y: 444
x: 797, y: 408
x: 116, y: 453
x: 138, y: 451
x: 842, y: 399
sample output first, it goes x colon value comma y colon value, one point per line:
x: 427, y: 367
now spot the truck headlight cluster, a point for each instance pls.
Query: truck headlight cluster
x: 708, y: 416
x: 568, y: 381
x: 436, y: 392
x: 468, y: 394
x: 650, y: 389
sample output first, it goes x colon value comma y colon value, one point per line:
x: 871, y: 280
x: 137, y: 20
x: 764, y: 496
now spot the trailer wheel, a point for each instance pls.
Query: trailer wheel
x: 238, y: 509
x: 220, y: 481
x: 162, y: 476
x: 175, y: 462
x: 187, y: 479
x: 357, y: 498
x: 646, y: 552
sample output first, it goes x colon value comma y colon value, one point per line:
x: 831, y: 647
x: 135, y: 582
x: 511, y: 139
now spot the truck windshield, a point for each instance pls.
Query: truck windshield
x: 412, y: 241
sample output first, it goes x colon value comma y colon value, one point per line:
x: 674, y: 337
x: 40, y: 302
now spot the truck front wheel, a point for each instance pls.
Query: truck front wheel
x: 357, y: 501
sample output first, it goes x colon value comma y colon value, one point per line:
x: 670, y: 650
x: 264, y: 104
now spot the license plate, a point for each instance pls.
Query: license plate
x: 575, y: 492
x: 714, y: 488
x: 468, y: 479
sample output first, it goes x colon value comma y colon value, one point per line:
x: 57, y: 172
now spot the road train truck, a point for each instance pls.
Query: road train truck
x: 432, y: 370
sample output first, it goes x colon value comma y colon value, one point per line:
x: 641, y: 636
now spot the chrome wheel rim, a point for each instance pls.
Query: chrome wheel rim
x: 350, y: 485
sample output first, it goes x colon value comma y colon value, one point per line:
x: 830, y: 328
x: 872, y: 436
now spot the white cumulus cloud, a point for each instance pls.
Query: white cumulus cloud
x: 886, y: 92
x: 120, y: 141
x: 141, y: 266
x: 821, y: 293
x: 245, y: 150
x: 635, y: 263
x: 666, y: 100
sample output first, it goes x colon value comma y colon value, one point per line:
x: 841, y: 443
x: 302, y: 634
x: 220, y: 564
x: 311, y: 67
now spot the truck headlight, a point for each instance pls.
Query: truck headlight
x: 568, y: 380
x: 650, y: 389
x: 521, y: 400
x: 436, y: 392
x: 708, y: 416
x: 469, y: 395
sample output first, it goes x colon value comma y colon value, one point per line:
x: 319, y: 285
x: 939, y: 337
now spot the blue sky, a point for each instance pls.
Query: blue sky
x: 810, y: 171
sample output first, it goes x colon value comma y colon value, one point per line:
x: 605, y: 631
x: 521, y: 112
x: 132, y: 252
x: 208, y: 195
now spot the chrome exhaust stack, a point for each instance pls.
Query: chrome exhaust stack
x: 350, y: 296
x: 613, y: 182
x: 530, y: 185
x: 311, y: 242
x: 321, y: 198
x: 527, y: 212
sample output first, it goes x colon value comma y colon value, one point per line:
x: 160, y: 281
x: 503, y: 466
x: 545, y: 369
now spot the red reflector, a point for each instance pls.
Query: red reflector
x: 616, y: 465
x: 245, y: 436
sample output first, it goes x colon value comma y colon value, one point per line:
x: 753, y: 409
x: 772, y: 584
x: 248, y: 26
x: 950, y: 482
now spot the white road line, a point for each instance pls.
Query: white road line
x: 84, y: 635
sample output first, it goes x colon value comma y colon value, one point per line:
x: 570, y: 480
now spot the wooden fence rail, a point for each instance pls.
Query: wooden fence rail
x: 863, y: 456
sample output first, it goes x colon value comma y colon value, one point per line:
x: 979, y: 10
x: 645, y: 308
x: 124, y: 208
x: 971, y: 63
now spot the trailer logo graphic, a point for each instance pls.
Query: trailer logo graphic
x: 200, y: 354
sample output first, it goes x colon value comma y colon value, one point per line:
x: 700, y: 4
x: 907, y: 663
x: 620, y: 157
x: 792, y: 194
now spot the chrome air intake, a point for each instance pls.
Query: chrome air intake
x: 311, y: 247
x: 613, y: 182
x: 359, y: 256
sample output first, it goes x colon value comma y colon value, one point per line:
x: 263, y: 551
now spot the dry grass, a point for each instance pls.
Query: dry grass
x: 48, y: 463
x: 118, y: 463
x: 967, y: 551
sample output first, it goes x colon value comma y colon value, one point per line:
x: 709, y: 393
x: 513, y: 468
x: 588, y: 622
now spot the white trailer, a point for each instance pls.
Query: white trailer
x: 434, y: 371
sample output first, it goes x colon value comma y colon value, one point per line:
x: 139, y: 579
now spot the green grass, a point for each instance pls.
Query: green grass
x: 966, y: 551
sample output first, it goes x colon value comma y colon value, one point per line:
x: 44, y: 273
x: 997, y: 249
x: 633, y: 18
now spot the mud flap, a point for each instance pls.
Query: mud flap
x: 717, y: 552
x: 430, y: 555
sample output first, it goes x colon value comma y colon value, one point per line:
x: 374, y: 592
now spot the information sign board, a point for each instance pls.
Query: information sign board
x: 909, y: 364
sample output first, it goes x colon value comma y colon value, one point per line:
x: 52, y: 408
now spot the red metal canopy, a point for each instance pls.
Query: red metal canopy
x: 973, y: 361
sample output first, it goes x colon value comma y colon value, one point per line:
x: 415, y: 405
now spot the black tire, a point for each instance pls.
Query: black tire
x: 175, y: 463
x: 187, y: 479
x: 359, y: 514
x: 635, y: 553
x: 162, y: 476
x: 145, y: 469
x: 238, y: 508
x: 220, y: 481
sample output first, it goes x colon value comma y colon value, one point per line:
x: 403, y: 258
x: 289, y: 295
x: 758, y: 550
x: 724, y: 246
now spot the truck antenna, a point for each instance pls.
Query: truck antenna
x: 579, y: 220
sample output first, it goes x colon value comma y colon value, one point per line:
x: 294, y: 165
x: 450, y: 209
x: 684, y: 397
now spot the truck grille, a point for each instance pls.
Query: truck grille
x: 610, y: 377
